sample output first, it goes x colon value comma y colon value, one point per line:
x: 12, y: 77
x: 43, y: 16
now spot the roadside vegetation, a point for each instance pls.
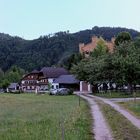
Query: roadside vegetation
x: 118, y: 95
x: 34, y: 117
x: 132, y: 106
x: 121, y: 128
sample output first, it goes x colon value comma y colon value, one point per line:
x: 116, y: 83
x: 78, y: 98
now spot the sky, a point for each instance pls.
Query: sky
x: 32, y: 18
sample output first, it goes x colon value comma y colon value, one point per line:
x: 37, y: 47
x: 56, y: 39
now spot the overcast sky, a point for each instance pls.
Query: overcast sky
x: 31, y: 18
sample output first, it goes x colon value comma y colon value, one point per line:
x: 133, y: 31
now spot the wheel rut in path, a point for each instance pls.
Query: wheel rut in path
x: 135, y: 121
x: 101, y: 129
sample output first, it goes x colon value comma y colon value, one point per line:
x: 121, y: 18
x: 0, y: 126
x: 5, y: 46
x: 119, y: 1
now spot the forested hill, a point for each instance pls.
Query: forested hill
x: 48, y: 50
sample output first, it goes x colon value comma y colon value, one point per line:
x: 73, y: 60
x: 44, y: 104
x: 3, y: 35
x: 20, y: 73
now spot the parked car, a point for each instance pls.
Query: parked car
x: 63, y: 91
x: 53, y: 91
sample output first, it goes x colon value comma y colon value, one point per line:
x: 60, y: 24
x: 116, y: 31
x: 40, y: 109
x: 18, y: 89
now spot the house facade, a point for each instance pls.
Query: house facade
x: 41, y: 80
x: 51, y: 78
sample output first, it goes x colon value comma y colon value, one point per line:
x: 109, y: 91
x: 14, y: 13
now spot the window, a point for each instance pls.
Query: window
x: 57, y: 86
x: 52, y: 86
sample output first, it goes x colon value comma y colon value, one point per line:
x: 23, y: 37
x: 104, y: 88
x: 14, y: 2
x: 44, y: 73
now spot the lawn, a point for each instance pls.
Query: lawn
x: 132, y: 106
x: 43, y: 117
x: 122, y: 129
x: 116, y: 95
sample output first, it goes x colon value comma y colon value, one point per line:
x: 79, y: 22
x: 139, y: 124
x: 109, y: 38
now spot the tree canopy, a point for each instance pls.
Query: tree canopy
x: 52, y: 49
x: 122, y: 38
x: 13, y: 75
x: 121, y: 67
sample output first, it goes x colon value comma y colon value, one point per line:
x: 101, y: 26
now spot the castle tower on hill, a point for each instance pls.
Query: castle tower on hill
x: 86, y: 49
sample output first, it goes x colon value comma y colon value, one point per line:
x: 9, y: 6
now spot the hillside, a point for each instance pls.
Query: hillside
x: 48, y: 50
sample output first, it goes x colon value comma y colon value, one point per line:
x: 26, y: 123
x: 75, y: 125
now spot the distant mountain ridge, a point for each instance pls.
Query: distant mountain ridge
x: 49, y: 50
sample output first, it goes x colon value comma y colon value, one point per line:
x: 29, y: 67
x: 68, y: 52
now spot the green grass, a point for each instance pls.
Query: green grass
x: 117, y: 95
x: 43, y: 117
x: 132, y: 106
x: 122, y: 129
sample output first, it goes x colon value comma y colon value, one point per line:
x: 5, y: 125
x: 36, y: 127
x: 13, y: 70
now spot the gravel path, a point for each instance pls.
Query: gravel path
x: 135, y: 121
x: 100, y: 128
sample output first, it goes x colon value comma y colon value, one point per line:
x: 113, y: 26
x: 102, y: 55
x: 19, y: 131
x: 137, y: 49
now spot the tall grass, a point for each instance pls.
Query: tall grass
x: 132, y: 106
x: 122, y: 129
x: 43, y: 117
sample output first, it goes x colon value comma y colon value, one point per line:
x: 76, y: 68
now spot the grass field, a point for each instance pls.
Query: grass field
x: 43, y: 117
x: 132, y: 106
x: 117, y: 95
x: 122, y: 129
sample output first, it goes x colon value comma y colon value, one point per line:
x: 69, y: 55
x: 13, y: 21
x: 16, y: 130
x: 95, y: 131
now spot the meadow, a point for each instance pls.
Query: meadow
x: 132, y: 106
x: 44, y: 117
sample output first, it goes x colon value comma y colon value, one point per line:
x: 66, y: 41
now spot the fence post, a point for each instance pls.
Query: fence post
x: 79, y: 99
x: 50, y: 134
x: 63, y: 130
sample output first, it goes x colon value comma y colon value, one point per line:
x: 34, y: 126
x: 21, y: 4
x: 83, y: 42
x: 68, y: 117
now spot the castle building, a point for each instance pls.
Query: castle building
x: 87, y: 48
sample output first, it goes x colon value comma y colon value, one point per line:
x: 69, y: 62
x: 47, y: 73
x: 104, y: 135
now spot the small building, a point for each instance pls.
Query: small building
x: 13, y: 87
x: 85, y: 87
x: 67, y: 81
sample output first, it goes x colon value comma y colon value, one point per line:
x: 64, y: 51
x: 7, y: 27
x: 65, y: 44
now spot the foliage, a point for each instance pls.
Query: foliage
x: 100, y: 49
x: 74, y: 59
x: 14, y: 74
x: 49, y: 50
x: 5, y: 83
x: 126, y: 64
x: 122, y: 38
x: 122, y: 66
x: 92, y: 69
x: 1, y: 73
x: 137, y: 41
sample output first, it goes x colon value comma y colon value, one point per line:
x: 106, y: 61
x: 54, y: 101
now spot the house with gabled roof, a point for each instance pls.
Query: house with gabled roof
x: 51, y: 77
x: 41, y: 80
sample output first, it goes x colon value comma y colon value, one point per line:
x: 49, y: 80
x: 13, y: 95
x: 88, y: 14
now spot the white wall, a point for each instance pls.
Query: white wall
x: 50, y: 80
x: 81, y: 85
x: 55, y: 85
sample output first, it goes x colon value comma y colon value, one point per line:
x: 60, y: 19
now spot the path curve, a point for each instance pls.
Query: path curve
x: 135, y: 121
x: 100, y: 127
